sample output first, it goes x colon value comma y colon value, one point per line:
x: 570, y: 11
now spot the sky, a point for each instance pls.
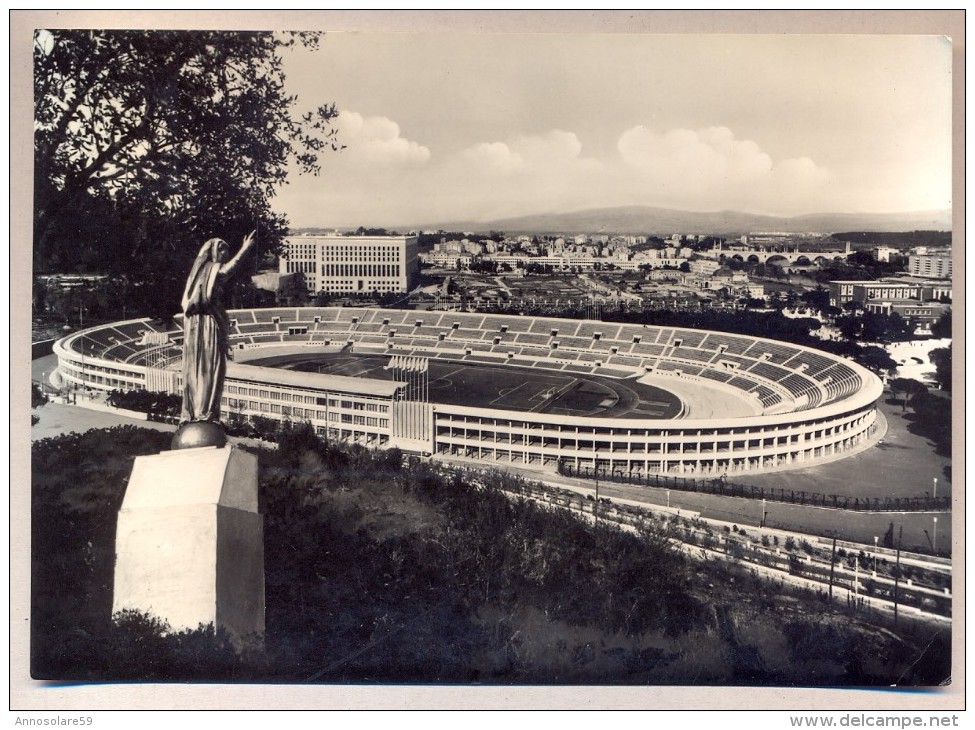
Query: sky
x: 483, y: 126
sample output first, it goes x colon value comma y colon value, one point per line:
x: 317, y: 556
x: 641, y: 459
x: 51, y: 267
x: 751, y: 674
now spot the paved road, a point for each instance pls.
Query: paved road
x: 57, y: 419
x: 859, y: 527
x: 904, y: 465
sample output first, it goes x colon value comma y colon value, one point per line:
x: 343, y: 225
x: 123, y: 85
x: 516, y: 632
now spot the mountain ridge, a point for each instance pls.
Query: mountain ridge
x: 648, y: 219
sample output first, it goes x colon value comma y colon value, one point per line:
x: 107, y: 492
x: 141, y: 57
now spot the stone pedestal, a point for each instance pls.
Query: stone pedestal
x: 190, y: 545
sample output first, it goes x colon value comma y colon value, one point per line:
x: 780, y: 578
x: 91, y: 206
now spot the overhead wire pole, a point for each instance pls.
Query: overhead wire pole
x: 832, y: 564
x: 897, y: 571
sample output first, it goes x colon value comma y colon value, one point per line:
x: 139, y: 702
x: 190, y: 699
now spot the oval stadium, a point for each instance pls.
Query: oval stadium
x: 509, y: 389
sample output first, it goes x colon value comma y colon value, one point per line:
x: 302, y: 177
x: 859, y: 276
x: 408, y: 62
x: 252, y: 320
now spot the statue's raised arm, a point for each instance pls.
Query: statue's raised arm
x: 206, y: 342
x: 228, y: 268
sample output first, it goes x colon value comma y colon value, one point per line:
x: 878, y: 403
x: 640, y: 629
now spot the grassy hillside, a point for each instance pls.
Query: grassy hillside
x: 383, y: 571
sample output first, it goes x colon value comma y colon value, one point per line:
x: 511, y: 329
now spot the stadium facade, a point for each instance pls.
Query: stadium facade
x: 805, y: 406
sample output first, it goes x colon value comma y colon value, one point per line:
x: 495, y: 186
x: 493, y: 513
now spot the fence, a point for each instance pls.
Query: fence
x: 724, y: 488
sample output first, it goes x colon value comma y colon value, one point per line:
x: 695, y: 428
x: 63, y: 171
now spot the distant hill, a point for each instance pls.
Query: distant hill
x: 645, y: 219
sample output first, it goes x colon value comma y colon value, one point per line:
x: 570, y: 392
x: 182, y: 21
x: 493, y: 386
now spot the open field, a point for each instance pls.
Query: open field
x: 506, y: 387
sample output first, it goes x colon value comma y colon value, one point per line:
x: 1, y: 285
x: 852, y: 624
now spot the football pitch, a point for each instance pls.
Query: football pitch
x: 505, y: 387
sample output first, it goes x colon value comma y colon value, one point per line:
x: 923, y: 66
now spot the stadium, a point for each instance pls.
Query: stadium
x: 536, y: 392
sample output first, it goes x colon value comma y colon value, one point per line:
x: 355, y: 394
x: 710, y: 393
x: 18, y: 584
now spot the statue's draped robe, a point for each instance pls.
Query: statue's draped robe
x: 205, y: 339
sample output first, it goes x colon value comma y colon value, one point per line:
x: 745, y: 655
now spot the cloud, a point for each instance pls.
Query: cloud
x: 716, y: 170
x: 550, y: 148
x: 710, y: 154
x: 491, y: 158
x: 706, y: 169
x: 377, y: 140
x: 522, y: 154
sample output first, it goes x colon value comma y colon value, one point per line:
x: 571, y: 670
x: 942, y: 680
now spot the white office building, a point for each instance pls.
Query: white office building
x: 352, y: 264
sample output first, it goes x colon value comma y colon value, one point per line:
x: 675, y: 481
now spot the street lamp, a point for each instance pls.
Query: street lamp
x: 762, y: 524
x: 875, y: 540
x: 668, y: 499
x: 595, y: 506
x: 935, y: 541
x: 935, y: 493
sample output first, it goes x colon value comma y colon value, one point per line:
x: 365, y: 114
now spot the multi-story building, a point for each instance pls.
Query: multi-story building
x: 883, y: 253
x: 353, y: 409
x: 924, y: 314
x: 841, y: 292
x: 930, y: 265
x: 352, y: 264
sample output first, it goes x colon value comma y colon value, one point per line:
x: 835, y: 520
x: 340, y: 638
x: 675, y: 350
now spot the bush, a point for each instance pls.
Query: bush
x: 146, y: 401
x: 37, y: 396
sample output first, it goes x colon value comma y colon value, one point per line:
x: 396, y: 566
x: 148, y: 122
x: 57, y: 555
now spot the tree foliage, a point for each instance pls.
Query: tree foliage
x: 146, y: 401
x: 146, y: 143
x: 933, y: 419
x: 876, y: 359
x: 37, y: 396
x: 941, y: 357
x: 874, y: 326
x: 379, y: 569
x: 909, y: 387
x: 942, y: 328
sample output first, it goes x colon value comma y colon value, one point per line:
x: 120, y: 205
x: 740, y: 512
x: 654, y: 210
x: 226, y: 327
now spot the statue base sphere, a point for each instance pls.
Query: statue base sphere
x: 199, y: 434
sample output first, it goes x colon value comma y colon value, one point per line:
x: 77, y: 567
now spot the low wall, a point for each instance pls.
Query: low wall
x: 41, y: 349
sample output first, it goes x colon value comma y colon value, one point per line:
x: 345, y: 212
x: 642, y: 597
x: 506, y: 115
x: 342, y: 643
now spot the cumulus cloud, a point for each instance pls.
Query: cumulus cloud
x: 492, y: 158
x: 710, y: 154
x: 714, y: 168
x: 549, y: 148
x: 706, y: 169
x: 523, y: 154
x: 377, y: 140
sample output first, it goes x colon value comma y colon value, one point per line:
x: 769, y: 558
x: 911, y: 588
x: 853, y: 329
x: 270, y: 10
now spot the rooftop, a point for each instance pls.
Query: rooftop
x: 314, y: 381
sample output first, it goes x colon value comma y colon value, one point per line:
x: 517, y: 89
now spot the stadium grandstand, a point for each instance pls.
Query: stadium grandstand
x: 545, y: 390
